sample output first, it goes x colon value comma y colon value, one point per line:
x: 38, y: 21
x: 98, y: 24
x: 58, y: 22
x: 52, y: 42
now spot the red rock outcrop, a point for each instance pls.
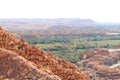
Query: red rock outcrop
x: 15, y: 67
x: 44, y: 61
x: 100, y: 64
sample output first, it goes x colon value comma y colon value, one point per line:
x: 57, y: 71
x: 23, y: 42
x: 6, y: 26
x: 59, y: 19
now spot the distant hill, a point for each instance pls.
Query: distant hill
x: 43, y: 24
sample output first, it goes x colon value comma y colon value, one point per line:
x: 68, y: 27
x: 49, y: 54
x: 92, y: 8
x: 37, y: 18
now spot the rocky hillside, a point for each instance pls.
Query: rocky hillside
x: 32, y: 60
x: 101, y: 64
x: 15, y: 67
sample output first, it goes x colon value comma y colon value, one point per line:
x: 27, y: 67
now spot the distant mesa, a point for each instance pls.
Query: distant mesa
x: 43, y: 24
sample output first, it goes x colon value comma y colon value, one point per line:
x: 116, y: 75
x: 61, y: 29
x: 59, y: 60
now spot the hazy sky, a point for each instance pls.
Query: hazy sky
x: 98, y: 10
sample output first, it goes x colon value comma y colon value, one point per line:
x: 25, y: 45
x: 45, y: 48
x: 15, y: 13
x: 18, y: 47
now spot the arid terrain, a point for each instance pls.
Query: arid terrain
x: 59, y: 40
x: 59, y: 49
x: 22, y: 61
x: 101, y: 64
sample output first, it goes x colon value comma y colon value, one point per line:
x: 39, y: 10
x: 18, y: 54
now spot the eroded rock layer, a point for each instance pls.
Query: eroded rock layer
x: 15, y: 67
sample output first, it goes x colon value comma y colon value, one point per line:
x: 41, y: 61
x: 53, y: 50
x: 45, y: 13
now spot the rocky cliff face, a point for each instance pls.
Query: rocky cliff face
x: 15, y: 67
x: 44, y: 63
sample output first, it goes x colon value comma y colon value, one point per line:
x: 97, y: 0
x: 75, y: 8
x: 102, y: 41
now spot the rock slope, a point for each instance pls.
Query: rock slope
x: 45, y: 62
x: 15, y: 67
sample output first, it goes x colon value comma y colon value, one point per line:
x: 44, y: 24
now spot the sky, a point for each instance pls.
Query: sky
x: 98, y: 10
